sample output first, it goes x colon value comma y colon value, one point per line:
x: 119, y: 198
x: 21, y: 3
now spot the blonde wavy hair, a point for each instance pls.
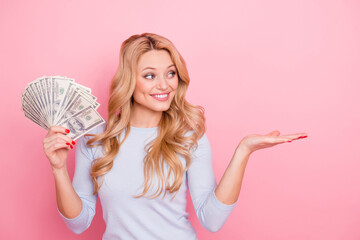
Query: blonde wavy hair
x: 175, y: 122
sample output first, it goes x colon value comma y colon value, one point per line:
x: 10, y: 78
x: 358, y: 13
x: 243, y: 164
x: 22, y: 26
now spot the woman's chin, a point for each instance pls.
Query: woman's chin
x: 164, y: 109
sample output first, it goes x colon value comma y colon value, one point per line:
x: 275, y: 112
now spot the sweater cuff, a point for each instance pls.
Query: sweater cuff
x: 73, y: 220
x: 220, y: 205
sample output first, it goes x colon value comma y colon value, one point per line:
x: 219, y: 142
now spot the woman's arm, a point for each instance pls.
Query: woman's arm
x: 56, y: 148
x: 212, y: 213
x: 68, y: 202
x: 228, y: 189
x: 75, y: 201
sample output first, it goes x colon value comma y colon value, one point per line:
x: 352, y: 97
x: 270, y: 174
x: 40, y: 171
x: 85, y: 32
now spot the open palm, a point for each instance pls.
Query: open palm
x: 255, y: 142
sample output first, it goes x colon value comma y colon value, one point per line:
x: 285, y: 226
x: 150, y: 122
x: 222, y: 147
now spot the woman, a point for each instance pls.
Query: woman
x: 153, y: 143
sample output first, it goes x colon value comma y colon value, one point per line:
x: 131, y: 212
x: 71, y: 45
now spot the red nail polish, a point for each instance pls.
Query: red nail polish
x: 67, y: 130
x: 302, y: 137
x: 289, y: 141
x: 71, y: 147
x: 73, y: 143
x: 67, y: 143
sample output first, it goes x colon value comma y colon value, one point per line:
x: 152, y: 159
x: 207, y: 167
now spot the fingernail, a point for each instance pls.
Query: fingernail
x: 67, y: 130
x: 73, y: 143
x: 71, y: 146
x: 289, y: 141
x: 302, y: 137
x: 67, y: 143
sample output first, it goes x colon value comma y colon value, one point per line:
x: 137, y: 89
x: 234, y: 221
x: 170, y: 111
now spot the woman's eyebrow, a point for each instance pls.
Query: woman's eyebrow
x: 155, y: 68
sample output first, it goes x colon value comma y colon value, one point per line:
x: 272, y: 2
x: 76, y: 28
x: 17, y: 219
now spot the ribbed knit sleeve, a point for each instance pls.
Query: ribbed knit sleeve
x: 84, y: 187
x: 211, y: 213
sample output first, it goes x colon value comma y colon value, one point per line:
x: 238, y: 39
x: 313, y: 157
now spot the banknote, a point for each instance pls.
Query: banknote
x: 60, y: 101
x: 82, y: 122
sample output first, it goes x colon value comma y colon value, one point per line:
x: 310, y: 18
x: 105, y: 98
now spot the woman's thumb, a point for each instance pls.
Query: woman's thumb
x: 274, y: 133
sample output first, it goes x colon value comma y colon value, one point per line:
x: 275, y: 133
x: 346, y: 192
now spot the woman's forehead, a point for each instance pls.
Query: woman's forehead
x: 155, y: 59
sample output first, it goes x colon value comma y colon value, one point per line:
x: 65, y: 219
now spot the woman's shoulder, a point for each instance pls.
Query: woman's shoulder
x: 97, y: 130
x: 191, y: 132
x: 202, y: 142
x: 89, y: 135
x: 94, y: 150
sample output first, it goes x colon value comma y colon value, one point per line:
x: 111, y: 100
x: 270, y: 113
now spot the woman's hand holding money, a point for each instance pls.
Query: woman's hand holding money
x: 56, y: 147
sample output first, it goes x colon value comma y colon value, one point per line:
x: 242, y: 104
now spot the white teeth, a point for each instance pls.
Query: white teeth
x: 161, y: 96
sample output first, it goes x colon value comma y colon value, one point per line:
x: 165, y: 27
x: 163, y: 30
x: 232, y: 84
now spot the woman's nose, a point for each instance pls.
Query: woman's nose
x: 162, y: 83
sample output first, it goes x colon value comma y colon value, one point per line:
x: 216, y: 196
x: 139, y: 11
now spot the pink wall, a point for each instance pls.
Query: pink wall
x: 255, y: 66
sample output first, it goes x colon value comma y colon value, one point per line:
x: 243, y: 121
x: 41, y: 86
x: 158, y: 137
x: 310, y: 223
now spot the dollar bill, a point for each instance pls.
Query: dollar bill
x: 77, y: 104
x: 82, y: 122
x: 56, y: 100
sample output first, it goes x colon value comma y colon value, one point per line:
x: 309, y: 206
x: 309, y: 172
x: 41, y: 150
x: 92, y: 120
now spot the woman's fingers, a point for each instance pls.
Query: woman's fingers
x: 57, y: 129
x: 60, y: 136
x: 53, y: 146
x: 292, y: 136
x: 57, y: 141
x: 297, y: 136
x: 284, y: 138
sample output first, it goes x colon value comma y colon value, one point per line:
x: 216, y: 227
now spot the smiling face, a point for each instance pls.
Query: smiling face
x: 156, y: 82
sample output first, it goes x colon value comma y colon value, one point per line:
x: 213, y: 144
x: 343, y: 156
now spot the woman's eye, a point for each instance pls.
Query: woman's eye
x: 151, y: 76
x: 147, y: 75
x: 173, y: 73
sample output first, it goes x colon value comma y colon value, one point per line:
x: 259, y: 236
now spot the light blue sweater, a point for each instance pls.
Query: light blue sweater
x: 143, y: 218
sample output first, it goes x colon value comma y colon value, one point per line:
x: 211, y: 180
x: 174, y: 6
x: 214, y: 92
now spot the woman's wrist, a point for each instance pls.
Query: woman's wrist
x: 59, y: 171
x: 241, y: 148
x: 240, y: 157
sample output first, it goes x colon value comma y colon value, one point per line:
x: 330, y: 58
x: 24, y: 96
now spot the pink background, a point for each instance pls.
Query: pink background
x: 256, y: 66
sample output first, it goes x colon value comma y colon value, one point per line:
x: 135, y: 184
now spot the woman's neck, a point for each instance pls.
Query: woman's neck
x: 144, y: 118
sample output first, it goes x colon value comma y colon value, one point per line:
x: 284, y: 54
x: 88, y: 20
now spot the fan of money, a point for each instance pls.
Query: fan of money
x: 59, y: 101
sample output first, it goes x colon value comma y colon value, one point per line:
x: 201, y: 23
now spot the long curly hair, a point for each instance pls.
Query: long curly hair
x: 181, y: 118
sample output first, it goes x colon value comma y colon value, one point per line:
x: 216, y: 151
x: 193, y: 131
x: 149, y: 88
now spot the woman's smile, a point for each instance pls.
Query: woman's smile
x: 161, y: 96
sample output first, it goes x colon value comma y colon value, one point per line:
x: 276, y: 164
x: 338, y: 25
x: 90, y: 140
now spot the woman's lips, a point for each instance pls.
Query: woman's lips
x: 161, y: 97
